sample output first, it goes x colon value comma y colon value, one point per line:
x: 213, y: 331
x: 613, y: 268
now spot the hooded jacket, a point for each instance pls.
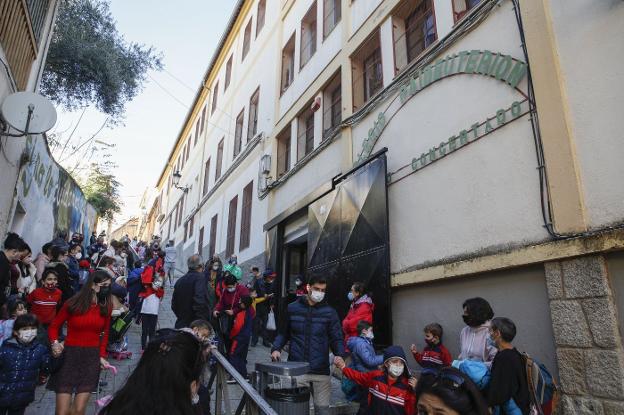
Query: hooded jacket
x: 363, y: 354
x: 386, y: 396
x: 361, y: 309
x: 311, y: 331
x: 473, y: 344
x: 20, y: 365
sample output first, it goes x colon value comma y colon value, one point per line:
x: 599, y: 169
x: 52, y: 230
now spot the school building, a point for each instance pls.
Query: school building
x: 434, y: 149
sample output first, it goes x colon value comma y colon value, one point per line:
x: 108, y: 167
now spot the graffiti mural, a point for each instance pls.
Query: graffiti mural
x: 51, y: 199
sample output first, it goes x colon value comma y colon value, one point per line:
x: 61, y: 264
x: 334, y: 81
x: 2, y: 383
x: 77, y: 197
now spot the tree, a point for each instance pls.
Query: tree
x: 102, y: 192
x: 90, y: 62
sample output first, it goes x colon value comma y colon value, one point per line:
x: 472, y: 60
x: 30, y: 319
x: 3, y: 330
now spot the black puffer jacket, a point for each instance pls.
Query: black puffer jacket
x: 311, y: 331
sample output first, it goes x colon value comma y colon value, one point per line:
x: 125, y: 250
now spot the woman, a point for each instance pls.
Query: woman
x: 448, y: 392
x: 473, y: 337
x: 84, y: 350
x: 362, y: 308
x: 27, y: 281
x: 166, y: 379
x: 213, y: 270
x: 58, y: 264
x: 151, y: 295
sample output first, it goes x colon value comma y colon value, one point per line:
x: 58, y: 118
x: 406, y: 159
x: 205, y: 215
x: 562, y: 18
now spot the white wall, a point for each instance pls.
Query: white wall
x: 360, y: 11
x: 589, y: 36
x: 482, y: 196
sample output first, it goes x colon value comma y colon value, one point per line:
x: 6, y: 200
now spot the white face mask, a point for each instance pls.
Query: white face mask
x: 396, y: 369
x: 78, y: 255
x: 317, y: 296
x: 369, y: 335
x: 115, y: 313
x: 215, y: 267
x: 27, y: 335
x: 231, y: 289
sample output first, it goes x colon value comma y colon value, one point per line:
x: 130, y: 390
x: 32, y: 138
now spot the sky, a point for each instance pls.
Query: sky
x: 186, y: 32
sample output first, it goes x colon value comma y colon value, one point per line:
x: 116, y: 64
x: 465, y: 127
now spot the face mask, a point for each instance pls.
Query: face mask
x: 233, y: 261
x: 298, y: 283
x: 350, y: 296
x: 195, y: 399
x: 50, y: 287
x: 396, y: 369
x: 231, y: 289
x: 115, y: 313
x: 430, y: 343
x: 369, y: 335
x: 104, y: 292
x: 26, y: 336
x: 468, y: 320
x: 317, y: 296
x: 490, y: 342
x: 215, y: 267
x: 78, y: 255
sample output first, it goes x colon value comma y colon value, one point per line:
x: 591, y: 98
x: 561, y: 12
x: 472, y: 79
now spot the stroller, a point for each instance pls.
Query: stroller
x: 117, y: 339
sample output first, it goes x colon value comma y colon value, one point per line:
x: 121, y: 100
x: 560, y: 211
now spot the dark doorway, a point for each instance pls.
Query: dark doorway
x: 296, y: 261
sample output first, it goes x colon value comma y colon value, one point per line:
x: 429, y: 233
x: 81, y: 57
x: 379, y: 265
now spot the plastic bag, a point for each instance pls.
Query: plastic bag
x: 271, y: 325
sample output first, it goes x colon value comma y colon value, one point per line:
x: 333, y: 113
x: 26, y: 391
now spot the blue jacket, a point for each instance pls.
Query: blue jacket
x: 363, y: 357
x: 311, y: 331
x: 19, y: 371
x: 73, y: 266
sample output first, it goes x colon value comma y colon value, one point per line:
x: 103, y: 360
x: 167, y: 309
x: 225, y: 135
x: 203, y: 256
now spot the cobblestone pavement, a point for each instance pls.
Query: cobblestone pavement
x: 45, y: 400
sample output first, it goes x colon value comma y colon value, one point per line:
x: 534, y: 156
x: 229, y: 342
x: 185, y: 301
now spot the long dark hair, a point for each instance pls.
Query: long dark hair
x: 161, y: 382
x: 80, y: 303
x: 454, y: 388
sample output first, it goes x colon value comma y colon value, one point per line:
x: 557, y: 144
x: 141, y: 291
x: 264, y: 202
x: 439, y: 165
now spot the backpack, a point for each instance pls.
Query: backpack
x: 543, y: 387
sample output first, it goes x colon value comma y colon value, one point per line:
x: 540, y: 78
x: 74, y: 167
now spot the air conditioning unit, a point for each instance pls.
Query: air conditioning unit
x: 316, y: 104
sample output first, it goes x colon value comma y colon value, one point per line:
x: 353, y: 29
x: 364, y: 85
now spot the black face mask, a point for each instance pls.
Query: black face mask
x: 468, y: 320
x: 103, y: 293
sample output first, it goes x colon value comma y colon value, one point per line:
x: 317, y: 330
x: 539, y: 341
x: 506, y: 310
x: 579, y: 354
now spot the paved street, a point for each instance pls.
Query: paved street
x: 44, y: 399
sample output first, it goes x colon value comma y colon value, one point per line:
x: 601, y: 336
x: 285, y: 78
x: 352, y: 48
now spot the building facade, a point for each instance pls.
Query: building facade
x: 38, y: 198
x: 435, y: 149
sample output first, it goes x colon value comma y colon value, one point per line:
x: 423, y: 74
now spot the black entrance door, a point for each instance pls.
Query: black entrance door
x: 348, y: 241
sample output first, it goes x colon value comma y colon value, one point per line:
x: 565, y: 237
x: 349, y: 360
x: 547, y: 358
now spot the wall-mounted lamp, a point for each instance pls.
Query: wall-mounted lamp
x: 176, y: 182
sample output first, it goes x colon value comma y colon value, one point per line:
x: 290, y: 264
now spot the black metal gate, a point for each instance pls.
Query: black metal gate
x: 348, y: 241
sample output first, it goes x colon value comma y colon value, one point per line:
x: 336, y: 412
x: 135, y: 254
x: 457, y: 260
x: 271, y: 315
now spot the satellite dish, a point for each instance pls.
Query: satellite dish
x: 29, y: 113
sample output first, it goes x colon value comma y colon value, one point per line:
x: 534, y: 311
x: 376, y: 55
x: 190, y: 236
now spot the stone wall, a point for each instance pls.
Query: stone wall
x: 587, y: 339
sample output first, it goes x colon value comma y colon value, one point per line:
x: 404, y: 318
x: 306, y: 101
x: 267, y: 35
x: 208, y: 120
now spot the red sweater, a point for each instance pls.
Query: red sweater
x: 83, y: 330
x: 44, y: 304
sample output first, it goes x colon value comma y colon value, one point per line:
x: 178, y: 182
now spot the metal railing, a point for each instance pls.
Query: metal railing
x: 251, y: 402
x: 17, y: 39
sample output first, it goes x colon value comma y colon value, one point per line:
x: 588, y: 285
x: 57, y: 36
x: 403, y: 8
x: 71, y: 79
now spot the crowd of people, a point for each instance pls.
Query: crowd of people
x: 68, y: 310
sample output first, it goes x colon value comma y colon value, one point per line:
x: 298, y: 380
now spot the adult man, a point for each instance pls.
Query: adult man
x: 264, y: 287
x: 312, y: 327
x: 92, y: 238
x: 189, y: 300
x: 170, y: 259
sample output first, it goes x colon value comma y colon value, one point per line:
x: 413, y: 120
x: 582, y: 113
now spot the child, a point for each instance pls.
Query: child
x: 15, y: 308
x: 134, y: 284
x: 152, y: 294
x: 390, y: 390
x: 435, y: 355
x: 509, y: 389
x: 241, y: 334
x: 363, y: 359
x: 21, y: 360
x: 44, y: 300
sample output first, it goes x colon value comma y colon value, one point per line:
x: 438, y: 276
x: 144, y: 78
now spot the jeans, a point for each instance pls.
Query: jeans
x: 148, y: 328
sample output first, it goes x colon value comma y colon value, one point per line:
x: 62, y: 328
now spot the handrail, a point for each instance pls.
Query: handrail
x: 250, y: 396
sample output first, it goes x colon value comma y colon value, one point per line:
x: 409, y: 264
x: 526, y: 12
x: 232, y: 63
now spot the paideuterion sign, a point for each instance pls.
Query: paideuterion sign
x: 504, y: 68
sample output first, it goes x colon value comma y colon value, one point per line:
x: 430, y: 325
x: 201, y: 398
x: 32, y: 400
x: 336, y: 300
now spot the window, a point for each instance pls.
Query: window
x: 231, y: 227
x: 188, y: 148
x: 331, y: 15
x: 283, y: 152
x: 200, y: 240
x: 414, y: 30
x: 238, y: 133
x: 261, y: 15
x: 245, y: 231
x: 197, y: 125
x: 186, y: 231
x: 252, y: 124
x: 203, y: 119
x: 305, y: 133
x: 215, y: 92
x: 191, y: 223
x: 332, y: 110
x: 181, y: 211
x: 288, y: 63
x: 228, y: 73
x: 213, y: 236
x: 206, y: 175
x: 246, y: 40
x: 367, y: 71
x: 308, y: 35
x: 462, y: 7
x: 219, y: 159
